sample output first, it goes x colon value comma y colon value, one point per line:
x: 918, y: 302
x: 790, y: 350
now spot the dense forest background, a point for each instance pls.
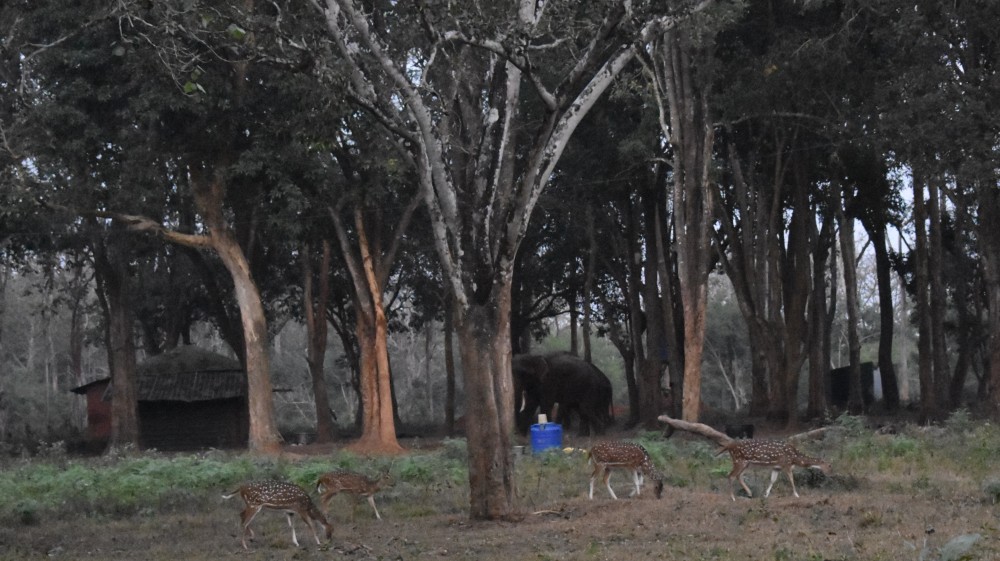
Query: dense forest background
x: 408, y: 193
x: 37, y: 407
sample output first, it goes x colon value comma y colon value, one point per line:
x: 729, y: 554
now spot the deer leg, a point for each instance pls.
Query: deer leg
x: 607, y: 483
x: 593, y: 477
x: 774, y: 477
x: 637, y: 480
x: 246, y: 517
x: 371, y: 501
x: 737, y: 474
x: 295, y: 538
x: 309, y: 522
x: 792, y: 481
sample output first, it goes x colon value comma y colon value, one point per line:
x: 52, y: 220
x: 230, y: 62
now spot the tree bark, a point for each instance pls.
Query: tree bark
x: 819, y: 365
x: 938, y: 298
x: 484, y: 335
x: 113, y: 292
x: 314, y: 308
x: 209, y: 193
x: 928, y: 402
x: 988, y: 197
x: 887, y: 316
x: 378, y: 429
x: 449, y: 367
x: 682, y: 98
x: 855, y: 401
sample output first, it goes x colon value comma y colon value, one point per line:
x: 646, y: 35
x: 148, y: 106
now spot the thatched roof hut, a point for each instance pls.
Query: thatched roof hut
x: 189, y: 398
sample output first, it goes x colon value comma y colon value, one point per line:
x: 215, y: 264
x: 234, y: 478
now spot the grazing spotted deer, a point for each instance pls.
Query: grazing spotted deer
x: 617, y: 454
x: 776, y: 454
x: 342, y: 481
x: 278, y: 495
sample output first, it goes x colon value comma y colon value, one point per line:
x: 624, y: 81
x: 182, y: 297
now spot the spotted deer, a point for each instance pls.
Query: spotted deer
x: 342, y: 481
x: 617, y: 454
x: 278, y: 495
x: 776, y: 454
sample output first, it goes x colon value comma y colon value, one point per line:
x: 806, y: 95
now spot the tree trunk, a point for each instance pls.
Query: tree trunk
x: 928, y: 403
x: 818, y: 367
x: 449, y: 367
x: 588, y: 283
x: 209, y: 194
x: 988, y: 197
x: 796, y: 284
x: 683, y: 95
x: 484, y: 342
x: 314, y: 307
x: 938, y: 297
x: 672, y: 336
x: 378, y: 429
x: 887, y: 315
x: 112, y: 283
x: 855, y: 401
x: 651, y: 366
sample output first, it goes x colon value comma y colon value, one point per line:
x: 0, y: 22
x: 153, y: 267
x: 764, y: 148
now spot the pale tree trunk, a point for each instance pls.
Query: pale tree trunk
x: 314, y: 307
x: 112, y: 285
x: 208, y: 195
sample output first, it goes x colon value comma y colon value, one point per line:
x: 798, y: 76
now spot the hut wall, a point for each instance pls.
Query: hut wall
x: 177, y: 425
x: 98, y: 413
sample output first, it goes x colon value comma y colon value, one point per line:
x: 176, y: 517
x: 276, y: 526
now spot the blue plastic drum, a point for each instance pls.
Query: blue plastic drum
x: 546, y: 436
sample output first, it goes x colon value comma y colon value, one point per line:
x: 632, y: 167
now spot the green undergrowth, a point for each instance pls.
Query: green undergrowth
x: 959, y: 455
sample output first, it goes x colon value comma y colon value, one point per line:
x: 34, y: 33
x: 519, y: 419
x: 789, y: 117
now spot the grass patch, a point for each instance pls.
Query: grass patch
x: 957, y: 457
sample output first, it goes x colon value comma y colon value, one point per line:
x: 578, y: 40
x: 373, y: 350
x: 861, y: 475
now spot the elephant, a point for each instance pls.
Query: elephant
x: 541, y: 381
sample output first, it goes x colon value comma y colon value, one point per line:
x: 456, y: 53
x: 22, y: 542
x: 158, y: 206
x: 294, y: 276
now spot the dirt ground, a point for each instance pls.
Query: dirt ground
x: 845, y: 517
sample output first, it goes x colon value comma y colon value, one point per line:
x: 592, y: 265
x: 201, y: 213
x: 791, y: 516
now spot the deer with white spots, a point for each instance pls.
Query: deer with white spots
x: 342, y: 481
x: 776, y: 454
x: 617, y: 454
x: 278, y: 495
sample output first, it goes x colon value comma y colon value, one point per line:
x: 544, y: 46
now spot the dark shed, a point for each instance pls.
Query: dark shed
x: 189, y: 399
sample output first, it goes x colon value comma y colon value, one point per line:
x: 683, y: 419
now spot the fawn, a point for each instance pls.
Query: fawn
x: 777, y: 454
x: 342, y: 481
x: 278, y: 495
x: 616, y: 454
